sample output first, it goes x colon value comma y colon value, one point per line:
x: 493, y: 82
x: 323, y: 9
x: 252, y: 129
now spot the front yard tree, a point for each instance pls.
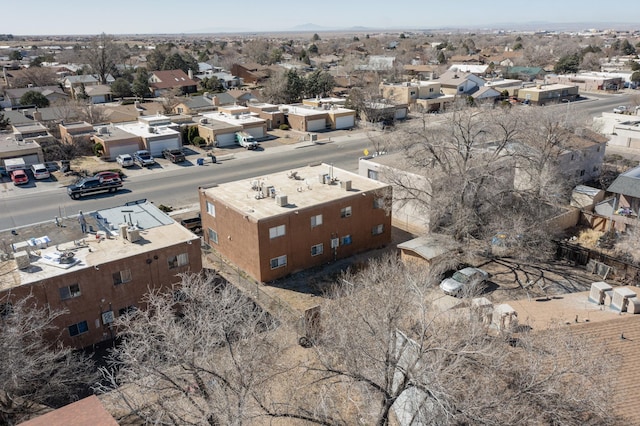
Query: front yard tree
x: 121, y: 88
x: 103, y: 54
x: 319, y: 83
x: 568, y: 64
x: 34, y: 374
x: 34, y: 98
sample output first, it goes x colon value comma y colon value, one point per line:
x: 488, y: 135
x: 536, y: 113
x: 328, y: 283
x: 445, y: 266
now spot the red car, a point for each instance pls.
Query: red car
x: 107, y: 176
x: 19, y: 177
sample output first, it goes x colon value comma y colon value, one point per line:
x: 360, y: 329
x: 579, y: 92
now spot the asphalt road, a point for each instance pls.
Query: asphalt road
x: 178, y: 187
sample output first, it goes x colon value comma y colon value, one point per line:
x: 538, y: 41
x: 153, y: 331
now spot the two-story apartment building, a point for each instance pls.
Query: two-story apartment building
x: 275, y: 225
x: 102, y: 274
x: 543, y: 94
x: 427, y: 95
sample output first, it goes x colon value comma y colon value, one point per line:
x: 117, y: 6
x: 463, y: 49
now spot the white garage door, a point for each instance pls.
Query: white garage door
x: 114, y: 151
x: 226, y: 139
x: 345, y: 122
x: 156, y: 147
x: 256, y: 132
x: 316, y: 125
x: 401, y: 114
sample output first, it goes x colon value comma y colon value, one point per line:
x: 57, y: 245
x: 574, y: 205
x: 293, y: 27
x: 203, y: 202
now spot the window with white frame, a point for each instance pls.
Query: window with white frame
x: 176, y: 261
x: 211, y: 209
x: 277, y: 231
x: 317, y: 249
x: 345, y: 241
x: 377, y: 230
x: 278, y: 262
x: 213, y: 236
x: 78, y: 328
x: 345, y: 211
x: 69, y: 292
x: 316, y: 220
x: 122, y: 277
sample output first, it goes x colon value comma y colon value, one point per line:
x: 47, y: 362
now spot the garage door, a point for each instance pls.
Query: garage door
x: 345, y: 122
x: 256, y: 132
x: 31, y: 159
x: 226, y: 139
x: 316, y: 125
x: 156, y: 146
x: 401, y: 114
x: 114, y: 151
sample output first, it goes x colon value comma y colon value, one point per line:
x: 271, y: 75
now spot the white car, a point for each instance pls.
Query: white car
x: 620, y: 110
x: 465, y: 280
x: 40, y: 171
x: 125, y: 160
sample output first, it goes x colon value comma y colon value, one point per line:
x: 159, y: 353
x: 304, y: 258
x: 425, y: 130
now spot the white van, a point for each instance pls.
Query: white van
x: 40, y: 171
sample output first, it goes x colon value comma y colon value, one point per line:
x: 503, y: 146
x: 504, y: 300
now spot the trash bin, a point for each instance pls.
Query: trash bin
x: 200, y: 161
x: 213, y: 159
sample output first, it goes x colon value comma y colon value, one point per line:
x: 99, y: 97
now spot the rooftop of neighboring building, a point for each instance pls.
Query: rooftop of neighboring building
x: 80, y: 413
x: 47, y: 242
x: 303, y: 188
x: 112, y: 133
x: 144, y: 130
x: 10, y: 144
x: 547, y: 87
x: 236, y: 119
x: 627, y: 183
x: 29, y: 128
x: 77, y: 127
x: 305, y: 110
x: 418, y: 83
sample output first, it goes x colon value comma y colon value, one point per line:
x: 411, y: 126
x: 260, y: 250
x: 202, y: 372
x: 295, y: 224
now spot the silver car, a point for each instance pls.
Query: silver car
x: 464, y: 281
x: 125, y: 160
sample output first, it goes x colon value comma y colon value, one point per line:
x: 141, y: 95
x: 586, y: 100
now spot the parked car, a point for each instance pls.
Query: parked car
x: 40, y: 171
x: 107, y: 176
x: 620, y: 109
x: 143, y: 158
x: 19, y: 177
x: 465, y: 281
x: 125, y: 160
x: 173, y: 155
x: 92, y: 185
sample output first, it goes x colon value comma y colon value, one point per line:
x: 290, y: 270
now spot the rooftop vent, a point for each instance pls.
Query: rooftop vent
x: 22, y: 259
x: 346, y: 185
x: 282, y: 200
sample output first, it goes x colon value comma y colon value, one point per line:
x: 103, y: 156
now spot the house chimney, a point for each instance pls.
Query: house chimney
x: 215, y: 100
x: 37, y: 115
x: 190, y: 73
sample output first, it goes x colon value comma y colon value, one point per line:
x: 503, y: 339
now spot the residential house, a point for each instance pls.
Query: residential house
x: 100, y: 275
x: 75, y: 131
x: 52, y: 93
x: 242, y: 97
x: 424, y: 95
x: 251, y: 73
x: 162, y: 82
x: 308, y: 119
x: 272, y: 226
x: 236, y: 115
x: 198, y: 104
x: 98, y: 94
x: 458, y: 83
x: 477, y: 69
x: 623, y: 209
x: 76, y: 84
x: 548, y: 94
x: 588, y: 82
x: 524, y: 73
x: 378, y: 63
x: 269, y: 112
x: 420, y: 72
x: 380, y: 112
x: 13, y: 147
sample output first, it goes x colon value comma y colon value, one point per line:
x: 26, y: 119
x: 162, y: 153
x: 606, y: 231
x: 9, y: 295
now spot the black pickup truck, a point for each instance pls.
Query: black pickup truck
x: 92, y: 185
x: 173, y: 155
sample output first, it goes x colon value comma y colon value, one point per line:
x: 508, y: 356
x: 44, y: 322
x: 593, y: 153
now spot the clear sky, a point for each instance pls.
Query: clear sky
x: 35, y: 17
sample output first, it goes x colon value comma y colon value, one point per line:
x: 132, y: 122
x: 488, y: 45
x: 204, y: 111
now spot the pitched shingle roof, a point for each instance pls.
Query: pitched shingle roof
x: 628, y: 183
x: 172, y: 78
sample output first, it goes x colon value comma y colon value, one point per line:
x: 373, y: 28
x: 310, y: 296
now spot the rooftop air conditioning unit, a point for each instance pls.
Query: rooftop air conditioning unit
x: 151, y: 129
x: 103, y: 130
x: 122, y: 231
x: 22, y: 259
x: 282, y: 200
x: 204, y: 121
x: 346, y: 185
x: 133, y: 235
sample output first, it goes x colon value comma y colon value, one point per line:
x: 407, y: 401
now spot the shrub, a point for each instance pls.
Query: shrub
x: 197, y: 141
x: 98, y: 150
x: 284, y: 127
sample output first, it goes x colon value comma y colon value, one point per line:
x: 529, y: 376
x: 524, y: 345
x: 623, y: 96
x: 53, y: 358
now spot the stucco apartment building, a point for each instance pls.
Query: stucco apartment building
x: 427, y: 95
x: 101, y: 274
x: 543, y: 94
x: 306, y: 118
x: 275, y: 225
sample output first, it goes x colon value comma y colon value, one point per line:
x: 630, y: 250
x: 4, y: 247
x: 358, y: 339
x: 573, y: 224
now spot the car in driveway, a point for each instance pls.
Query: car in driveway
x: 125, y: 160
x: 464, y: 281
x: 40, y: 171
x: 173, y: 155
x: 19, y: 177
x: 143, y: 158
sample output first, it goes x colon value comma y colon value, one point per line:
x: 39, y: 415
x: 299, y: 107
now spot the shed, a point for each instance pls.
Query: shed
x: 429, y: 251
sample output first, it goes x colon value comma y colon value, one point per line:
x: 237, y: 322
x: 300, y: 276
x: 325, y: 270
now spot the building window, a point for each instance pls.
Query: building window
x: 69, y: 292
x: 277, y: 231
x: 598, y: 150
x: 127, y: 310
x: 316, y: 220
x: 211, y: 208
x: 317, y: 249
x: 345, y: 241
x: 430, y: 89
x: 572, y: 156
x: 180, y: 260
x: 122, y: 277
x: 581, y: 172
x: 378, y: 203
x: 213, y: 236
x: 79, y: 328
x: 377, y: 230
x: 278, y: 262
x: 372, y: 174
x: 345, y: 212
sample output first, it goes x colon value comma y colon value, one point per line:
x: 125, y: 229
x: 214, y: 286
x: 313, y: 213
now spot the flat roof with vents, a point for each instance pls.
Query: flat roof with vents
x: 302, y: 187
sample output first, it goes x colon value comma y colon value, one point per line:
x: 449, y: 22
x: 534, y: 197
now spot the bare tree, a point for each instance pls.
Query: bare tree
x: 384, y: 347
x: 35, y: 375
x: 103, y: 54
x: 201, y: 354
